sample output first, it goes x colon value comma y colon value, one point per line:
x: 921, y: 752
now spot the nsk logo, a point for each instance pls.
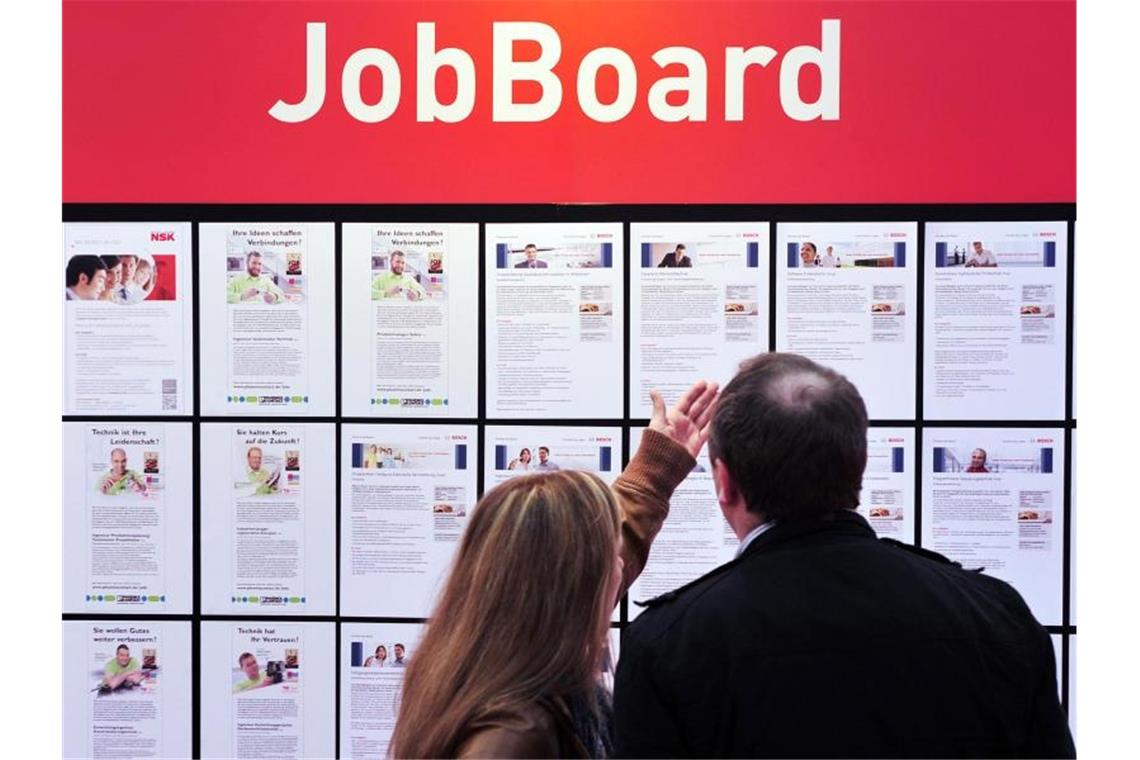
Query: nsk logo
x: 162, y: 237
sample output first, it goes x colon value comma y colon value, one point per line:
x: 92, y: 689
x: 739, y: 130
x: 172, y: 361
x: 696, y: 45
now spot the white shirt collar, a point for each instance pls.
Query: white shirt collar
x: 755, y: 533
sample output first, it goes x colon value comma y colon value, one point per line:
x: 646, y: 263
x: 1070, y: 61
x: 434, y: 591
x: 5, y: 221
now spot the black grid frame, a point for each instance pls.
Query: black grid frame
x: 481, y: 214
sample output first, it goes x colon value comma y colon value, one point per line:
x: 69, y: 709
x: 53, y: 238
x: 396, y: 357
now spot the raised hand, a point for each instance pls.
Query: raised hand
x: 687, y: 421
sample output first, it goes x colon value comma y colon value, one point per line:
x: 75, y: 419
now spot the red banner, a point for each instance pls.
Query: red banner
x: 778, y: 102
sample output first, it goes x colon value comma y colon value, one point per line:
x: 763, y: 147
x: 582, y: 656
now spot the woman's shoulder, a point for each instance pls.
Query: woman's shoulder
x: 535, y: 729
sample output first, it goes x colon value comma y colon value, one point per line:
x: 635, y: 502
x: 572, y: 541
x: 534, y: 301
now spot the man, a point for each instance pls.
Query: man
x: 253, y: 676
x: 130, y: 264
x: 388, y: 458
x: 978, y: 461
x: 122, y: 669
x: 86, y: 278
x: 266, y: 481
x: 820, y: 640
x: 119, y: 479
x: 398, y: 662
x: 396, y: 283
x: 253, y: 285
x: 980, y: 257
x: 676, y: 259
x: 829, y: 259
x: 544, y: 463
x: 532, y: 260
x: 809, y: 257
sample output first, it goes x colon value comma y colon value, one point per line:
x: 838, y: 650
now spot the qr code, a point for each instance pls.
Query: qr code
x: 169, y: 394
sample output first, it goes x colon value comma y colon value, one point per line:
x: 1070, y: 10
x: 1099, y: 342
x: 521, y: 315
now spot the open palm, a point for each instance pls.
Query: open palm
x: 687, y: 421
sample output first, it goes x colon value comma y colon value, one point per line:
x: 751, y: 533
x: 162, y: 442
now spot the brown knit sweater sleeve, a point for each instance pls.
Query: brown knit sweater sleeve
x: 643, y: 491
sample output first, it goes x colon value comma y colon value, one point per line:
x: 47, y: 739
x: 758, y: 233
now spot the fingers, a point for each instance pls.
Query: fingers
x: 658, y: 406
x: 702, y: 408
x: 688, y: 397
x: 706, y: 417
x: 702, y: 439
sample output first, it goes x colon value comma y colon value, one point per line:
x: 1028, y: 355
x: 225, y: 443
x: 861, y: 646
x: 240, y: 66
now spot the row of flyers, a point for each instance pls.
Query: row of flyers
x: 995, y: 309
x: 992, y: 498
x: 267, y: 688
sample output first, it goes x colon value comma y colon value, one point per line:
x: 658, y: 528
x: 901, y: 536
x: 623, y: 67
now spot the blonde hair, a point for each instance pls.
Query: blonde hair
x: 143, y: 265
x: 523, y: 614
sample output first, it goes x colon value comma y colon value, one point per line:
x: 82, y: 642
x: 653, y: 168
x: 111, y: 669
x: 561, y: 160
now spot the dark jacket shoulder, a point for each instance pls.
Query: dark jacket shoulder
x: 661, y: 612
x: 893, y: 644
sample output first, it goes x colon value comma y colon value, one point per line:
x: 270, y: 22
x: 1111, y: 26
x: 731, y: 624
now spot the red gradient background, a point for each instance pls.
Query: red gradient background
x: 941, y: 102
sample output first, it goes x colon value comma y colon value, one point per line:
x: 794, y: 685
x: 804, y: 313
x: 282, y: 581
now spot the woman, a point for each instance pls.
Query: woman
x: 140, y: 285
x: 370, y: 457
x: 510, y: 665
x: 523, y: 461
x: 379, y: 659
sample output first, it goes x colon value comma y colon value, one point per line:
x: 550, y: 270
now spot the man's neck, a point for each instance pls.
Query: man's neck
x: 752, y: 535
x: 746, y: 523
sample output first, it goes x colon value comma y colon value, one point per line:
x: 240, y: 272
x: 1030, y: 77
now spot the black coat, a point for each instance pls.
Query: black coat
x: 823, y: 641
x: 671, y: 260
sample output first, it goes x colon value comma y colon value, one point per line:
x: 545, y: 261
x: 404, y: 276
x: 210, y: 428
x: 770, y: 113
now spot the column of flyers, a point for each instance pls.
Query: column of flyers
x: 845, y: 298
x: 995, y: 326
x: 1071, y: 536
x: 554, y: 323
x: 127, y: 319
x: 993, y: 499
x: 127, y: 517
x: 406, y: 492
x: 268, y: 297
x: 269, y: 543
x: 694, y: 540
x: 126, y: 689
x: 409, y: 295
x: 267, y: 690
x: 374, y: 657
x: 887, y: 498
x: 698, y: 303
x: 513, y: 450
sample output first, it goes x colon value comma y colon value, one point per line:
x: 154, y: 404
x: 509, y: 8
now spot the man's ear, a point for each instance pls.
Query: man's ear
x: 727, y: 492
